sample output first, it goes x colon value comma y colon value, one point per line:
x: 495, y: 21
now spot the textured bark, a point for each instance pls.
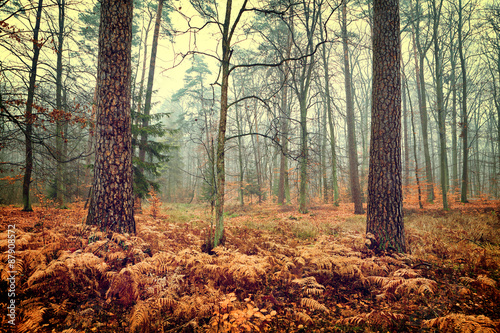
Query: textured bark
x: 385, y: 199
x: 111, y: 206
x: 351, y: 127
x: 29, y: 112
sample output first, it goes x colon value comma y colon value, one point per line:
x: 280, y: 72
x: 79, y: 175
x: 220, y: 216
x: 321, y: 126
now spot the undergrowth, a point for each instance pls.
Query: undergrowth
x: 280, y: 271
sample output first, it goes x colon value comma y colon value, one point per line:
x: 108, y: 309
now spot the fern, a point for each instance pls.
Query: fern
x: 374, y: 319
x: 310, y: 286
x: 124, y: 286
x: 313, y: 305
x: 141, y: 316
x: 457, y: 322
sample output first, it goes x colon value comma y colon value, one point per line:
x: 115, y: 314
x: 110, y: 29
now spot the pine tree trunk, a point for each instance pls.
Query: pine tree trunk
x: 111, y: 206
x: 385, y: 198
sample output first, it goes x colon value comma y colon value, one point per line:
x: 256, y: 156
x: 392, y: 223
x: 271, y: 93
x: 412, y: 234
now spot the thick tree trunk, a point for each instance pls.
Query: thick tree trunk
x: 111, y: 206
x: 29, y: 112
x: 385, y: 198
x: 351, y: 127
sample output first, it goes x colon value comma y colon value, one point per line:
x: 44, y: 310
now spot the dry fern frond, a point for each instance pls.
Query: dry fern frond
x: 310, y: 285
x: 383, y: 319
x: 124, y: 286
x: 406, y: 273
x: 303, y: 318
x: 31, y: 320
x: 165, y: 303
x: 141, y: 316
x: 313, y: 304
x: 457, y: 322
x: 402, y: 286
x: 484, y: 280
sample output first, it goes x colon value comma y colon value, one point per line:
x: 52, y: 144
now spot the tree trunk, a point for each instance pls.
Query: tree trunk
x: 443, y: 158
x: 303, y: 152
x: 218, y: 237
x: 241, y: 175
x: 454, y: 150
x: 465, y: 144
x: 351, y: 127
x: 422, y: 101
x: 405, y: 136
x: 29, y: 112
x: 149, y: 87
x: 329, y: 111
x: 111, y: 206
x: 385, y: 197
x: 283, y: 188
x: 59, y: 178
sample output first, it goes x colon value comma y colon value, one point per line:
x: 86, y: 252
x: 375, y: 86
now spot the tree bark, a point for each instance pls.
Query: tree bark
x: 111, y: 206
x: 385, y: 197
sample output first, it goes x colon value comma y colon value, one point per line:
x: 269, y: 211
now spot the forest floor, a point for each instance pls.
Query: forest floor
x: 280, y: 271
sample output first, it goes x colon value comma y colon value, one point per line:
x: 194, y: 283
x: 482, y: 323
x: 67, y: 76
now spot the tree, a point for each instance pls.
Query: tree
x: 59, y: 182
x: 111, y: 206
x: 465, y: 117
x: 37, y: 45
x: 423, y: 47
x: 439, y: 103
x: 385, y: 195
x: 351, y: 129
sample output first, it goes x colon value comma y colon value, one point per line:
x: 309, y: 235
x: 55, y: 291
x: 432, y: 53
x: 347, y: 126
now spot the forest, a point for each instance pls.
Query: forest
x: 249, y: 166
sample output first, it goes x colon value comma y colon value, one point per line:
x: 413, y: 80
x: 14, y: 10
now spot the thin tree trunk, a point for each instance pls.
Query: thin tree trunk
x: 351, y: 127
x: 329, y: 111
x: 283, y: 188
x: 465, y: 143
x: 59, y: 181
x: 29, y: 112
x: 149, y: 87
x: 440, y: 107
x: 405, y: 136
